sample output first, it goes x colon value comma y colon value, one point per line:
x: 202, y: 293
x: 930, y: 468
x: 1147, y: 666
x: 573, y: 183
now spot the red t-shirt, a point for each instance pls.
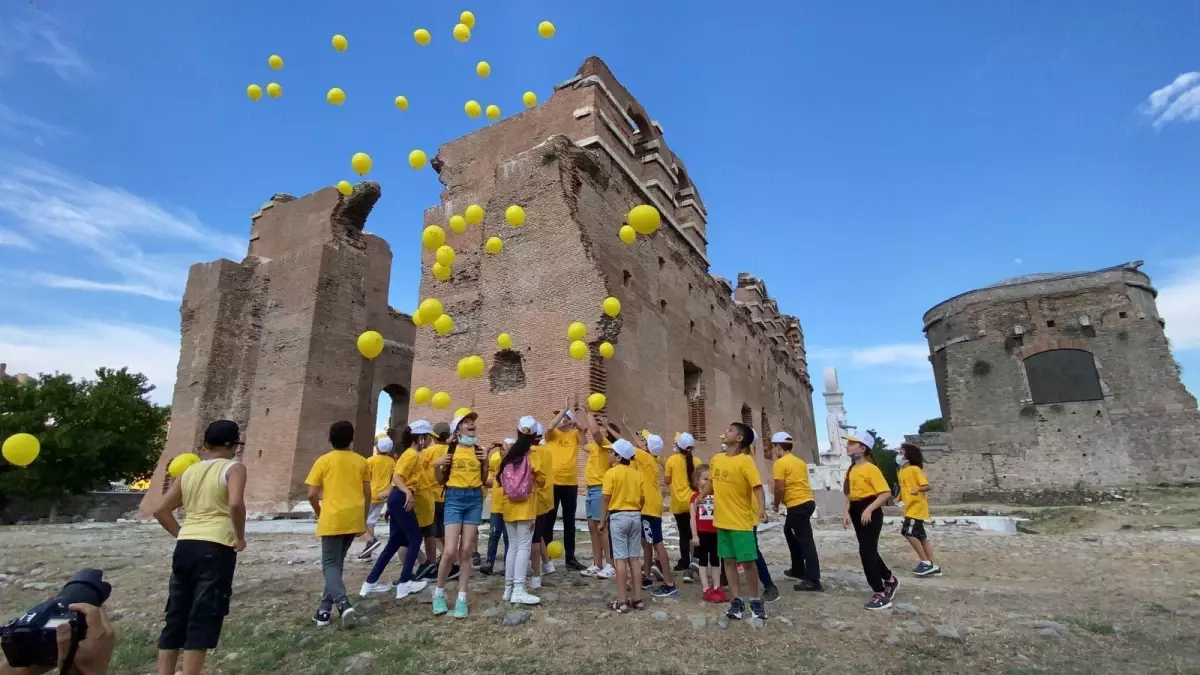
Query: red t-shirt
x: 704, y: 514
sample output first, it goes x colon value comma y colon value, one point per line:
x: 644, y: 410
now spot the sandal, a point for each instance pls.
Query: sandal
x: 636, y: 604
x: 614, y: 605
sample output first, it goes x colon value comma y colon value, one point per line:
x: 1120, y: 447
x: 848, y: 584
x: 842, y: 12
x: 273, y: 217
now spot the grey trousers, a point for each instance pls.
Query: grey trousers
x: 333, y: 556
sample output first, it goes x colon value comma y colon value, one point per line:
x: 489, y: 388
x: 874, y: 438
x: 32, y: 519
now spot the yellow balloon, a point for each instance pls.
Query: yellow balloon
x: 433, y: 237
x: 441, y: 272
x: 579, y: 350
x: 477, y: 366
x: 445, y: 255
x: 606, y: 350
x: 546, y: 29
x: 463, y: 369
x: 467, y: 19
x: 275, y: 61
x: 422, y: 395
x: 458, y: 224
x: 494, y: 245
x: 274, y: 90
x: 612, y: 306
x: 431, y: 309
x: 644, y: 219
x: 504, y: 341
x: 361, y: 163
x: 254, y: 92
x: 462, y: 412
x: 21, y: 449
x: 336, y: 96
x: 340, y: 43
x: 576, y: 331
x: 417, y: 319
x: 417, y: 159
x: 370, y: 344
x: 483, y: 69
x: 402, y: 102
x: 444, y: 325
x: 472, y: 109
x: 461, y: 32
x: 529, y: 99
x: 474, y: 214
x: 493, y: 112
x: 421, y: 36
x: 182, y: 463
x: 627, y: 234
x: 597, y: 402
x: 345, y: 187
x: 441, y: 400
x: 515, y: 215
x: 554, y: 549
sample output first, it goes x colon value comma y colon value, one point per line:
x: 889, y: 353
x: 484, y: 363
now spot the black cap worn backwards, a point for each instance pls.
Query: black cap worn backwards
x: 222, y: 433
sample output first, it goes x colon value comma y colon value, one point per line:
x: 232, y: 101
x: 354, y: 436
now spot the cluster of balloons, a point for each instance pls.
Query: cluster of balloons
x: 470, y: 367
x: 274, y: 90
x: 21, y: 449
x: 643, y: 219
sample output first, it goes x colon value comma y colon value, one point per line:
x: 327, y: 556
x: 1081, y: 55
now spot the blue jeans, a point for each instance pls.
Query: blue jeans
x: 497, y: 530
x: 403, y: 531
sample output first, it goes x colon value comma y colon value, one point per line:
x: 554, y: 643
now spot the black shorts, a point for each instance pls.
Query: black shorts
x: 198, y: 595
x: 439, y: 520
x: 913, y: 528
x: 429, y: 531
x: 706, y: 553
x: 543, y: 528
x: 652, y: 530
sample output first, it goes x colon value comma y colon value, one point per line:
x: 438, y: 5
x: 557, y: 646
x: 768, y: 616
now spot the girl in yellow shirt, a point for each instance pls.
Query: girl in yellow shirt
x: 463, y: 470
x: 680, y: 468
x: 866, y: 493
x: 404, y: 529
x: 913, y: 487
x: 599, y: 452
x: 525, y: 464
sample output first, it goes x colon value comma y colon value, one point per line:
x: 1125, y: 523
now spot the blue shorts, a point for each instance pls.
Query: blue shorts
x: 652, y: 529
x: 464, y: 506
x: 595, y: 493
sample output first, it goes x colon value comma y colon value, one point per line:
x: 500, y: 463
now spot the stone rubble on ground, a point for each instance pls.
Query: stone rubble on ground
x: 698, y: 622
x: 517, y: 617
x: 905, y: 608
x: 358, y: 663
x: 949, y: 633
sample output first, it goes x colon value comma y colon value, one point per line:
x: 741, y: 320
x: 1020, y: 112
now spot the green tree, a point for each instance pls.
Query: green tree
x: 92, y: 432
x: 932, y: 425
x: 885, y: 459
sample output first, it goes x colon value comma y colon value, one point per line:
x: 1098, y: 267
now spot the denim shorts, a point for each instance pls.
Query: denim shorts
x: 595, y: 494
x: 464, y: 506
x: 625, y: 529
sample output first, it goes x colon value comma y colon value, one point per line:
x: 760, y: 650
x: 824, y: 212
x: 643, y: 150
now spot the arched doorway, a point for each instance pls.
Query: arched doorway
x: 393, y: 407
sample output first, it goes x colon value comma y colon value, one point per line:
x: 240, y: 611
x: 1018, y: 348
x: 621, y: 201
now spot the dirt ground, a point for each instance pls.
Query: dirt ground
x: 1103, y: 588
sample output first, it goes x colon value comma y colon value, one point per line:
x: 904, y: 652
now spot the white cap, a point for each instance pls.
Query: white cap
x: 623, y: 448
x: 781, y: 437
x: 458, y: 420
x: 509, y: 441
x: 385, y: 444
x: 527, y: 425
x: 654, y: 443
x: 421, y: 427
x: 685, y: 441
x: 864, y: 437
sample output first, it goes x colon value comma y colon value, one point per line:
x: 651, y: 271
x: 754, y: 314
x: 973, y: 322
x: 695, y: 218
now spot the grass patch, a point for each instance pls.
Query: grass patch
x: 1092, y: 626
x: 135, y: 651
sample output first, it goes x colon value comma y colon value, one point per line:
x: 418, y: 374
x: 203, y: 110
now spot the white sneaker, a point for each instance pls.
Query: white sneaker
x: 590, y: 572
x: 369, y: 588
x: 535, y: 582
x: 520, y: 597
x: 607, y: 573
x: 407, y: 588
x: 508, y: 592
x: 548, y: 568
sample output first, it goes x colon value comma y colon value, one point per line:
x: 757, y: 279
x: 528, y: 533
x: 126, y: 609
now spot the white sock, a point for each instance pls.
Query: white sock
x: 439, y: 592
x: 462, y: 596
x: 926, y: 562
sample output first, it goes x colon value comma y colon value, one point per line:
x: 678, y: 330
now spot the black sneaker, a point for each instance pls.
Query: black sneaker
x: 736, y: 609
x: 426, y: 571
x: 476, y: 561
x: 369, y: 549
x: 889, y: 588
x: 453, y: 573
x: 793, y: 574
x: 769, y: 594
x: 807, y: 585
x: 758, y: 610
x: 664, y: 591
x: 321, y: 618
x: 680, y: 566
x: 574, y: 565
x: 647, y: 583
x: 879, y: 601
x: 485, y: 569
x: 346, y: 613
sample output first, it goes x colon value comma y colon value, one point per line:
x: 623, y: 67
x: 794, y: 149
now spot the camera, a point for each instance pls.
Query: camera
x: 30, y: 641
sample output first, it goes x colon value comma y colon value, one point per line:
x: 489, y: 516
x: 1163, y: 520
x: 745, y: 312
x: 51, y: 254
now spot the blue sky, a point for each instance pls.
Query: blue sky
x: 867, y: 160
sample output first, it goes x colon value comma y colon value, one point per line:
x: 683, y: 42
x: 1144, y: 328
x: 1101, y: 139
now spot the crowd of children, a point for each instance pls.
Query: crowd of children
x: 432, y: 481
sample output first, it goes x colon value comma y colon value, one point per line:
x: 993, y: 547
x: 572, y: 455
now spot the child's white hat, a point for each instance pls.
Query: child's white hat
x: 623, y: 448
x: 654, y: 443
x: 421, y: 427
x: 781, y: 437
x: 385, y: 444
x: 685, y: 441
x: 527, y: 425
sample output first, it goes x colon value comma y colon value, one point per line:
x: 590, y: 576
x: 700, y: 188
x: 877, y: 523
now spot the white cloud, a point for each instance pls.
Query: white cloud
x: 146, y: 248
x: 898, y: 354
x: 10, y: 238
x: 38, y: 38
x: 1179, y: 305
x: 79, y: 348
x: 1178, y: 101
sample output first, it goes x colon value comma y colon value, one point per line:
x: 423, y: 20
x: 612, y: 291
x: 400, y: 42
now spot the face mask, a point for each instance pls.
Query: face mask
x: 903, y: 460
x: 855, y: 456
x: 468, y: 441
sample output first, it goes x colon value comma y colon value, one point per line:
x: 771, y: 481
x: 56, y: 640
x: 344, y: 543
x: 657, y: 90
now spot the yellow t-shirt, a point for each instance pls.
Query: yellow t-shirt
x: 734, y: 479
x: 527, y: 510
x: 794, y: 473
x: 494, y: 476
x: 564, y: 446
x: 623, y: 485
x: 206, y: 503
x: 432, y: 454
x: 464, y: 469
x: 866, y: 480
x: 545, y: 497
x: 677, y: 478
x: 647, y: 464
x: 915, y: 506
x: 382, y: 467
x: 411, y: 470
x: 597, y: 463
x: 340, y: 474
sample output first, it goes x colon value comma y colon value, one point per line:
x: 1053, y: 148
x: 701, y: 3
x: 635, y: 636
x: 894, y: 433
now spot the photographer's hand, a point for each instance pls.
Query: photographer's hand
x: 95, y: 651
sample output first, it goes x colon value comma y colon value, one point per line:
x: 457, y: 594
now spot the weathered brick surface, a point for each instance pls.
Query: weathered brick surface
x: 270, y: 342
x: 577, y: 164
x: 1145, y: 429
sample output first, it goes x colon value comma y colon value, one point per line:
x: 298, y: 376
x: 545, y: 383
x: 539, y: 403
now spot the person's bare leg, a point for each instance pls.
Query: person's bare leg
x: 452, y: 534
x: 469, y: 542
x: 167, y: 661
x: 647, y: 559
x: 622, y: 592
x: 704, y: 578
x: 928, y: 547
x: 597, y: 548
x: 661, y: 551
x: 751, y: 578
x: 193, y: 661
x: 916, y: 546
x: 430, y: 550
x: 636, y: 573
x: 731, y: 575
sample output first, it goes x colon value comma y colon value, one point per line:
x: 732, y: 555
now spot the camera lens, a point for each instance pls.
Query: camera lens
x: 85, y: 587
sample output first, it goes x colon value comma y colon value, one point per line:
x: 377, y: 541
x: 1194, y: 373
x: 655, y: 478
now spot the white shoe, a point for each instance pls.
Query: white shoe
x: 607, y: 573
x: 403, y: 590
x: 369, y: 588
x: 508, y: 592
x: 548, y: 568
x: 590, y: 572
x: 520, y: 597
x: 535, y: 582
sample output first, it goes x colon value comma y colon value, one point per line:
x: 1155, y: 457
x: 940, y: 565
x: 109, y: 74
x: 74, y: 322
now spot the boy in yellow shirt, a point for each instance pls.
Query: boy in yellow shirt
x: 793, y: 493
x: 623, y: 497
x: 563, y: 438
x: 645, y: 460
x: 913, y: 487
x: 339, y: 489
x: 382, y: 464
x: 866, y: 493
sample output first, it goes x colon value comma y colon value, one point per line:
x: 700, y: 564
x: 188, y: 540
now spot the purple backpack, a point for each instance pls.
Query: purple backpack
x: 517, y: 480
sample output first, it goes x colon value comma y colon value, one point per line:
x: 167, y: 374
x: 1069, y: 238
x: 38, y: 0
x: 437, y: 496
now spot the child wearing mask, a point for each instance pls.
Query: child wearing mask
x: 913, y: 488
x: 463, y: 470
x: 866, y: 493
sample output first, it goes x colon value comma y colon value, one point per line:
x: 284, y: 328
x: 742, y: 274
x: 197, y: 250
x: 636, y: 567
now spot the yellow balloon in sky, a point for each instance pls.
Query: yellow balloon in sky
x: 483, y: 69
x: 597, y: 402
x: 644, y: 219
x: 546, y: 29
x: 579, y: 350
x: 474, y: 214
x: 433, y: 237
x: 345, y: 187
x: 467, y: 19
x: 275, y: 61
x: 335, y: 96
x: 529, y: 99
x: 443, y: 325
x: 422, y: 395
x: 361, y: 163
x: 627, y: 234
x: 461, y: 32
x: 21, y: 449
x: 441, y: 400
x: 472, y: 109
x: 421, y: 36
x: 254, y: 92
x: 493, y: 112
x: 494, y: 245
x: 417, y: 319
x: 340, y: 43
x: 417, y: 159
x: 402, y: 102
x: 431, y: 309
x: 445, y: 255
x: 576, y: 331
x: 606, y: 350
x: 182, y: 463
x: 274, y: 90
x: 370, y: 344
x: 504, y: 341
x: 515, y: 215
x: 441, y: 272
x: 612, y: 306
x: 458, y: 224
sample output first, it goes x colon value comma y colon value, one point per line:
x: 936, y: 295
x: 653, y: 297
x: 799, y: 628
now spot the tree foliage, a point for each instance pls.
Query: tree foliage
x: 934, y: 424
x: 886, y: 460
x: 92, y: 432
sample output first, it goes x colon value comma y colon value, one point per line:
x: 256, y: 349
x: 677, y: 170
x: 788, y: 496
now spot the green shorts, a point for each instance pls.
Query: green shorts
x: 737, y: 544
